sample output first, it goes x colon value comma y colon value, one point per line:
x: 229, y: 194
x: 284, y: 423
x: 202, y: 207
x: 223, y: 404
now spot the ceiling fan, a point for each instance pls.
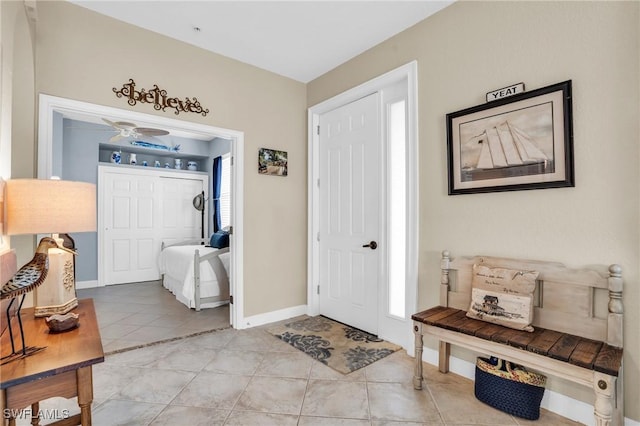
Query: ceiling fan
x: 126, y: 129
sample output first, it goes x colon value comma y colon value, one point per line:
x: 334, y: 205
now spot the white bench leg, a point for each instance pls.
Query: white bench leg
x: 604, y: 387
x: 419, y: 343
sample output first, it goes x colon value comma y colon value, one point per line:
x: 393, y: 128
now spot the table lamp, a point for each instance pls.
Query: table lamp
x: 39, y: 206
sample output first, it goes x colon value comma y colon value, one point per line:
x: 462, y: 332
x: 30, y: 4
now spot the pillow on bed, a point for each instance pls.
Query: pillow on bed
x: 503, y: 296
x: 219, y: 239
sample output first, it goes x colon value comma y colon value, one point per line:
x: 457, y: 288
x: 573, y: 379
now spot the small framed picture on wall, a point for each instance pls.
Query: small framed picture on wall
x: 272, y: 162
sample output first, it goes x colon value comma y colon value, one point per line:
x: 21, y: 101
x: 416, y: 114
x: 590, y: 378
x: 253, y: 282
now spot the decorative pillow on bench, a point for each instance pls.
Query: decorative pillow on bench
x: 503, y: 296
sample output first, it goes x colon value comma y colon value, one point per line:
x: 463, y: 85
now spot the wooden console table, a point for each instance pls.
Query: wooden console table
x: 62, y: 369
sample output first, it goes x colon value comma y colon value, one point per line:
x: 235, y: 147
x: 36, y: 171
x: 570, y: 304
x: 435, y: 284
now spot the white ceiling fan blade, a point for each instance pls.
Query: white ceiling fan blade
x: 109, y: 122
x: 148, y: 131
x: 116, y: 138
x: 120, y: 125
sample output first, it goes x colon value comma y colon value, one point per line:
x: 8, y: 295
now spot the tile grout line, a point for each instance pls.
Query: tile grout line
x: 159, y: 342
x: 366, y: 389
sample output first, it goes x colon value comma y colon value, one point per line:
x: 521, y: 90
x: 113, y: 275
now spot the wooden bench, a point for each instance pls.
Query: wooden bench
x: 577, y: 319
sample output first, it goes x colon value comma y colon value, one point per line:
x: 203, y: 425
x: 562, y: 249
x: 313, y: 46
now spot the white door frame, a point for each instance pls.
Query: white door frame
x: 408, y: 72
x: 48, y: 105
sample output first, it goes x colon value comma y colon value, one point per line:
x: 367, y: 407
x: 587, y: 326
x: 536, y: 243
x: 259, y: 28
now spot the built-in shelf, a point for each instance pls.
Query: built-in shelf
x: 141, y: 167
x: 151, y: 155
x: 149, y: 151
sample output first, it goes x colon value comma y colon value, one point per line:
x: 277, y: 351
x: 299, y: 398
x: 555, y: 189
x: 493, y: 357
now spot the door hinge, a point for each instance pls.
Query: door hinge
x: 318, y: 182
x: 318, y: 130
x: 318, y: 289
x: 230, y: 230
x: 231, y: 160
x: 318, y: 236
x: 231, y: 300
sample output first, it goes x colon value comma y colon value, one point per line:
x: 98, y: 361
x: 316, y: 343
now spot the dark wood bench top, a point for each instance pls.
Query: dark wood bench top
x: 575, y: 350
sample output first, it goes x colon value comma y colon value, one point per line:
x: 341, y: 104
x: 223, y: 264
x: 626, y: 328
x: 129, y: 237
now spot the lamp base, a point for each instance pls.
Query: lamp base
x: 57, y: 294
x: 45, y: 311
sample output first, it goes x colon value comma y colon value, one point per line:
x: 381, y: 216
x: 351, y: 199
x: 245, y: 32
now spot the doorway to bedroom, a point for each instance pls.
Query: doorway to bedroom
x: 98, y: 139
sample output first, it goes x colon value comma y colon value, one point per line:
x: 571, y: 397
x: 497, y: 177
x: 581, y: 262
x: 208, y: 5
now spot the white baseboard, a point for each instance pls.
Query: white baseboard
x: 86, y: 284
x: 553, y: 401
x: 274, y: 316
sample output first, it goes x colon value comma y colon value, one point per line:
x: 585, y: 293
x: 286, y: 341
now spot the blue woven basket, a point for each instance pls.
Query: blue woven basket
x: 497, y: 387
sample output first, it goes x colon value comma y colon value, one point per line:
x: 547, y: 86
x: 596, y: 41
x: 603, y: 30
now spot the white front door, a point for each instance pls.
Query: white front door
x: 349, y: 145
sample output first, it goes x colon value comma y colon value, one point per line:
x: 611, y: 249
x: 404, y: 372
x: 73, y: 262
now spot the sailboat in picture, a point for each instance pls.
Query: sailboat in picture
x: 506, y: 151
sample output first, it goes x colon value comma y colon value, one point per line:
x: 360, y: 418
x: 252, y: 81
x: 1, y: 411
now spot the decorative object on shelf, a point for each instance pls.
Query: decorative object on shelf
x: 130, y: 130
x: 272, y: 162
x: 145, y: 163
x: 116, y: 157
x: 158, y: 97
x: 167, y: 165
x: 178, y: 163
x: 132, y: 159
x: 192, y: 165
x: 156, y: 164
x: 524, y: 141
x: 150, y: 145
x: 59, y: 323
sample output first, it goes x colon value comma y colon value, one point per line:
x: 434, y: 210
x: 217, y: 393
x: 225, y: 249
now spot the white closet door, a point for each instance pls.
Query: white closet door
x: 131, y: 216
x: 180, y: 220
x: 139, y: 210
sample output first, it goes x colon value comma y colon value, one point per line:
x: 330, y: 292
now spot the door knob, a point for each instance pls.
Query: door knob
x: 372, y: 245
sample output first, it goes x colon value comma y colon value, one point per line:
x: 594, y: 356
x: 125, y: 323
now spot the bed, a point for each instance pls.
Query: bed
x: 197, y: 274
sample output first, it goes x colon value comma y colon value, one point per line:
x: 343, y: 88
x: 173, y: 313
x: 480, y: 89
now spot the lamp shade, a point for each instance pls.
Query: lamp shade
x: 39, y: 206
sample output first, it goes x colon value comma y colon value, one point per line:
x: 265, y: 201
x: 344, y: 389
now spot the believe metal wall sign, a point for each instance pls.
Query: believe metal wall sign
x: 158, y: 97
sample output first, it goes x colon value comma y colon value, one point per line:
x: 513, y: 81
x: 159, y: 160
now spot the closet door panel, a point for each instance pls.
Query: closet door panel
x: 129, y: 237
x: 140, y: 210
x: 180, y: 220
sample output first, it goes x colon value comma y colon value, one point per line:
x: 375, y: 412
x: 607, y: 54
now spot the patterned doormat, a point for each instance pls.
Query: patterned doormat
x: 336, y: 345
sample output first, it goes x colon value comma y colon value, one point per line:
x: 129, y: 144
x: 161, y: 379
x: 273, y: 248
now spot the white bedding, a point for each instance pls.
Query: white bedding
x: 176, y: 263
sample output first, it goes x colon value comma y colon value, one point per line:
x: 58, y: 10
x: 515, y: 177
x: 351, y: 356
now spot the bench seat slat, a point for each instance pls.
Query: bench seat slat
x: 522, y: 339
x: 609, y: 360
x: 505, y: 335
x: 432, y: 316
x: 449, y: 322
x: 585, y: 353
x: 544, y: 342
x: 564, y: 347
x: 488, y: 331
x: 469, y: 326
x: 422, y: 316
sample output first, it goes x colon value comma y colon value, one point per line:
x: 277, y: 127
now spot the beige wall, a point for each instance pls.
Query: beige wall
x: 17, y: 109
x: 82, y: 55
x: 471, y: 48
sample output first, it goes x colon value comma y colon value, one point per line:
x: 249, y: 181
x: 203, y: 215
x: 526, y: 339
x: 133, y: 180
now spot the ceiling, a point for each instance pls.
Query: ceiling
x: 297, y: 39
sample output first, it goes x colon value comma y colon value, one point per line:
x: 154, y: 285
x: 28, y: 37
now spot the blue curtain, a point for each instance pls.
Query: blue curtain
x: 217, y: 178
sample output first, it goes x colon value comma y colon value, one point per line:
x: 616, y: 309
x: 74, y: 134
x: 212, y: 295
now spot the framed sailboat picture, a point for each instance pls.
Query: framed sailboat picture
x: 521, y: 142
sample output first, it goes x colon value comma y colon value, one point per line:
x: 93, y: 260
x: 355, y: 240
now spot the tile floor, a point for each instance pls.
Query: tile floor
x: 136, y: 314
x: 249, y: 377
